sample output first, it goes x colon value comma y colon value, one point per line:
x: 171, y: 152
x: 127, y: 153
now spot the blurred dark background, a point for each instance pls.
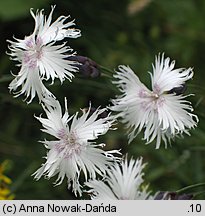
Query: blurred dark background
x: 129, y: 32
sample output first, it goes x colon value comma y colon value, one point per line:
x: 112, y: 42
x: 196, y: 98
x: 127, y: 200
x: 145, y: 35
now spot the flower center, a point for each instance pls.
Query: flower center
x: 150, y: 100
x: 148, y: 95
x: 69, y: 145
x: 154, y: 96
x: 33, y: 52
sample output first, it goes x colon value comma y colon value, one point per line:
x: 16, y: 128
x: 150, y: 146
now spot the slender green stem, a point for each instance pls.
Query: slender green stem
x: 6, y: 78
x: 106, y: 69
x: 199, y: 193
x: 190, y: 187
x: 196, y: 86
x: 105, y: 75
x: 199, y: 101
x: 18, y: 183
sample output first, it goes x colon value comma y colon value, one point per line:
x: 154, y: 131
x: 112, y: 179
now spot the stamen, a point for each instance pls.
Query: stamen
x: 69, y: 144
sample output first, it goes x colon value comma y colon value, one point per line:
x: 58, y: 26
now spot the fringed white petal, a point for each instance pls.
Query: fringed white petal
x: 74, y: 151
x: 160, y: 114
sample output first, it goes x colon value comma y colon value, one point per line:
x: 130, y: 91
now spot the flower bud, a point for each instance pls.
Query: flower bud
x: 178, y: 90
x: 169, y: 195
x: 87, y: 67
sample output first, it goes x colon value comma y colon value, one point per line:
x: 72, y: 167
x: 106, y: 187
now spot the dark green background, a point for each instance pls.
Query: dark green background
x: 111, y: 36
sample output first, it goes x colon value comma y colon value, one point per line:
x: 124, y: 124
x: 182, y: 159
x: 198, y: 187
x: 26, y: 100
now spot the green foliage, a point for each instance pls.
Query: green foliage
x: 110, y: 36
x: 16, y: 9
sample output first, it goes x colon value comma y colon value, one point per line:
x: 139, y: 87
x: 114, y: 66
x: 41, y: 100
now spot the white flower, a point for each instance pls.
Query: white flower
x: 39, y: 57
x: 122, y: 182
x: 162, y: 113
x: 74, y: 149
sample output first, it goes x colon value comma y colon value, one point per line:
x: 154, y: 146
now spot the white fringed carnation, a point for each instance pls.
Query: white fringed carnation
x: 162, y: 113
x: 74, y: 150
x: 39, y: 58
x: 122, y: 182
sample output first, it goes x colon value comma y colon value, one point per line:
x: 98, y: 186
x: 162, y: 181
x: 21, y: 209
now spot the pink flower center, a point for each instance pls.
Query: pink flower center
x: 69, y: 144
x: 33, y: 52
x: 150, y: 100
